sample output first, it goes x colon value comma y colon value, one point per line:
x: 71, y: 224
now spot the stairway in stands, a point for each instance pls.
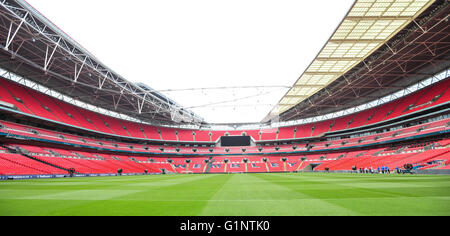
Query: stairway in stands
x: 208, y: 166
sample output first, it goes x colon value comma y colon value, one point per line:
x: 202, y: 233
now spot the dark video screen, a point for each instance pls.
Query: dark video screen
x: 235, y: 141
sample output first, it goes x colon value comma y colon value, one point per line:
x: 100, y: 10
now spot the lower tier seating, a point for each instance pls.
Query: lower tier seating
x: 17, y: 159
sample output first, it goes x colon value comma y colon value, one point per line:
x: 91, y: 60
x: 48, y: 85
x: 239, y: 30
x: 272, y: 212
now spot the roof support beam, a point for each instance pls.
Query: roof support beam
x: 13, y: 55
x: 141, y: 104
x: 77, y: 73
x: 102, y: 81
x: 11, y: 37
x: 49, y: 58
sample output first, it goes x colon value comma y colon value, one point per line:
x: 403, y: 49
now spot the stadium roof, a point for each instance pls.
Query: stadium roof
x: 418, y: 51
x: 254, y: 52
x: 33, y: 47
x: 369, y: 25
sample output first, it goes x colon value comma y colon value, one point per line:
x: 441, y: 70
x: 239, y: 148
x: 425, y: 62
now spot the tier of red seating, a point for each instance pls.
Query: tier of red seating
x: 386, y: 159
x: 96, y: 144
x: 16, y: 164
x: 55, y: 161
x: 35, y: 103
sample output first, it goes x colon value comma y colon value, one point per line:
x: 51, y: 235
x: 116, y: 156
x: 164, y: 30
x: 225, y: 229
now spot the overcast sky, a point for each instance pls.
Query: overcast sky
x: 179, y: 44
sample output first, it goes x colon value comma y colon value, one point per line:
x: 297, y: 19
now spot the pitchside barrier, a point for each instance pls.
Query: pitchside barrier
x: 418, y: 172
x: 433, y: 172
x: 18, y: 177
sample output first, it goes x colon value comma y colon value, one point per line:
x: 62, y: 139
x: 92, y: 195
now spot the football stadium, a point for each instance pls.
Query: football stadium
x: 364, y: 129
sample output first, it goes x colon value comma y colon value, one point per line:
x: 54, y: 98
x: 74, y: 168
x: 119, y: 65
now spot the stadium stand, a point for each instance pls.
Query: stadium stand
x: 42, y: 134
x: 59, y: 111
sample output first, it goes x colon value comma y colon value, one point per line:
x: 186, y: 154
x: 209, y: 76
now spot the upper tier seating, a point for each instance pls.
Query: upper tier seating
x: 362, y: 118
x: 32, y: 105
x: 286, y: 133
x: 35, y: 103
x: 322, y: 127
x: 95, y: 144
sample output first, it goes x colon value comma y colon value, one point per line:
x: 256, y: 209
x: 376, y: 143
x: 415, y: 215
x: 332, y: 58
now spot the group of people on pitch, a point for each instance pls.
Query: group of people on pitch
x: 378, y: 170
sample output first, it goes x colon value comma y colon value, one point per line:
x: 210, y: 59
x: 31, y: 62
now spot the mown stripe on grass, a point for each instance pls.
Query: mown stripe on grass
x: 186, y: 197
x: 248, y: 195
x: 369, y: 200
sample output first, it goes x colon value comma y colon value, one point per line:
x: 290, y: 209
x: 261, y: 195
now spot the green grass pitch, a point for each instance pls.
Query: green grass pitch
x: 230, y: 195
